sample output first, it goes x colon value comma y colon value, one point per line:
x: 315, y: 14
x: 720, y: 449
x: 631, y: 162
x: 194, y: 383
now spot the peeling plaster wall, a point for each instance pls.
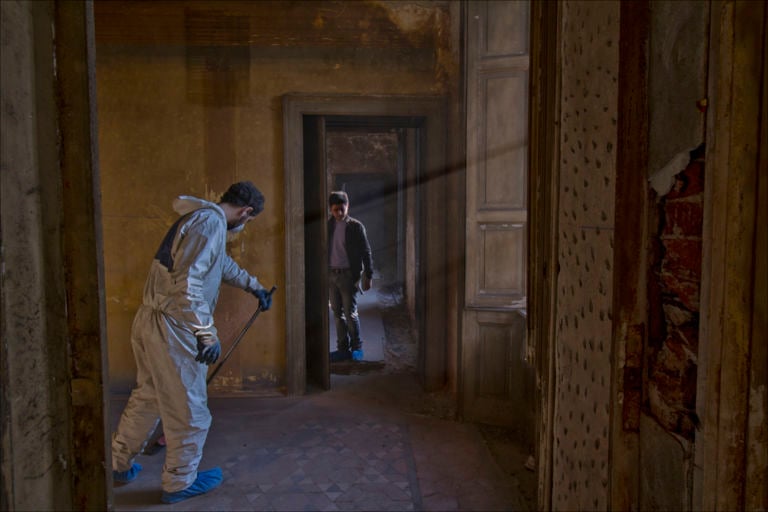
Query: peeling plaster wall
x: 678, y: 53
x: 669, y: 421
x: 679, y: 42
x: 588, y: 103
x: 186, y: 108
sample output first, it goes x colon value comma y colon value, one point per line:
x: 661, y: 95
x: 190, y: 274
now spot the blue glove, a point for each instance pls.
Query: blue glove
x: 208, y: 348
x: 265, y: 298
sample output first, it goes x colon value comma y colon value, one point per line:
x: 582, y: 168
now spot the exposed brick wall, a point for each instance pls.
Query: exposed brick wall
x: 673, y: 349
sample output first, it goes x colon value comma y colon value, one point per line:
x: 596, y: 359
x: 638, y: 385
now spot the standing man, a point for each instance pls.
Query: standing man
x: 350, y: 270
x: 174, y: 340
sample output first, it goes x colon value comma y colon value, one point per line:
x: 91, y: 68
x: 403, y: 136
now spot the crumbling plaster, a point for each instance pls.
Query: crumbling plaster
x: 677, y: 84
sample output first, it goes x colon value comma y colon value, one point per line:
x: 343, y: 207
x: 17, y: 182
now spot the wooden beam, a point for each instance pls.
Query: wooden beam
x: 542, y: 230
x: 83, y: 263
x: 732, y: 416
x: 630, y: 262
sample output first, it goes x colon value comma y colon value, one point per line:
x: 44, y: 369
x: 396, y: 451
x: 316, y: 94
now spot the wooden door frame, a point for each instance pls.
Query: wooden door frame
x: 630, y: 259
x: 432, y: 109
x: 544, y: 184
x: 315, y: 240
x: 730, y: 396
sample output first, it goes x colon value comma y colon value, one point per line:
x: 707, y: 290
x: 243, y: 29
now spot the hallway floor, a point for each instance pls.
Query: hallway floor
x: 375, y: 441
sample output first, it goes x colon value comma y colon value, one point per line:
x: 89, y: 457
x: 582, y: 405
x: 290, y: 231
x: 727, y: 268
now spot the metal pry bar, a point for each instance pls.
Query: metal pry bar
x: 237, y: 340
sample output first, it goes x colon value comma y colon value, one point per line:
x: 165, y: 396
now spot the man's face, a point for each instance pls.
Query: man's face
x: 339, y: 211
x: 244, y: 218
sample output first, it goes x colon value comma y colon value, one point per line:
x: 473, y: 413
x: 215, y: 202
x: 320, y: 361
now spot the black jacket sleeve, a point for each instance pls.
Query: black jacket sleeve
x: 359, y: 249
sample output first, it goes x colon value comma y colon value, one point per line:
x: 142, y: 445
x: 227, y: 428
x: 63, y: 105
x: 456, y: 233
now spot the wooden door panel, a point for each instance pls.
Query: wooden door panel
x: 505, y: 28
x: 502, y: 140
x: 501, y: 262
x: 501, y: 383
x: 497, y: 381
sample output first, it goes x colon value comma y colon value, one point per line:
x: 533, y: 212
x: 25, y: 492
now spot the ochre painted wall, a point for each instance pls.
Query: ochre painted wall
x: 189, y: 101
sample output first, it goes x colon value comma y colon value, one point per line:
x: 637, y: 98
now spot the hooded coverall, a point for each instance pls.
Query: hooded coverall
x: 180, y: 295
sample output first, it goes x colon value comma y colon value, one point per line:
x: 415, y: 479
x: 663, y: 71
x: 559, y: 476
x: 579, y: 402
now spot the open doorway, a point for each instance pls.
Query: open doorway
x: 416, y: 130
x: 375, y: 160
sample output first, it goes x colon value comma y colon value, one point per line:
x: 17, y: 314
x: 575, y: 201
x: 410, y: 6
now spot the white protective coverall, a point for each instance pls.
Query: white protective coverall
x: 180, y: 295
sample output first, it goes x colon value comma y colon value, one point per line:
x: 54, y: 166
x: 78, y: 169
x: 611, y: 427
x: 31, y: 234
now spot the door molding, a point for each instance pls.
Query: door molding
x: 432, y: 178
x: 630, y: 258
x: 731, y: 444
x: 544, y: 184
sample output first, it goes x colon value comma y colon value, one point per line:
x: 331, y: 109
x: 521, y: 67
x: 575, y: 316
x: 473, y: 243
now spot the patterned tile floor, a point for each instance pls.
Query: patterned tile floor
x: 364, y: 445
x: 329, y: 464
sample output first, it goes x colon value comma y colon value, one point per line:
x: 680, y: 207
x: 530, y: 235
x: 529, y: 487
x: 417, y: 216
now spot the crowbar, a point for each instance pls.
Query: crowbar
x: 237, y: 340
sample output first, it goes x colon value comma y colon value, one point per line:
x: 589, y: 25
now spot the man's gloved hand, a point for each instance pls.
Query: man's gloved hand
x: 208, y: 348
x: 366, y: 283
x: 265, y: 298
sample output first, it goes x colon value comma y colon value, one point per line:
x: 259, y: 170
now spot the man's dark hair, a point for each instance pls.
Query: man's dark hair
x: 245, y: 193
x: 338, y: 197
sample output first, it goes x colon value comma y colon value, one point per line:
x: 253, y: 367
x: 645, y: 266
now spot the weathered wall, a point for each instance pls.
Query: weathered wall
x: 669, y: 423
x: 677, y: 67
x: 189, y: 101
x: 52, y: 417
x: 588, y: 106
x: 678, y: 46
x: 34, y: 402
x: 677, y: 78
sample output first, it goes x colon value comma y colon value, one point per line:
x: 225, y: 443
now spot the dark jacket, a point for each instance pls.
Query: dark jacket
x: 356, y: 242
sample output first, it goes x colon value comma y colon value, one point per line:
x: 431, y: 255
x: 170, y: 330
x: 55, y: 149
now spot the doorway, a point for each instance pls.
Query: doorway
x: 416, y: 125
x: 375, y: 161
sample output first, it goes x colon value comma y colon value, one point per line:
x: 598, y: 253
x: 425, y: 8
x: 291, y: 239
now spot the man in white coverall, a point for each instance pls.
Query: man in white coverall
x: 174, y: 340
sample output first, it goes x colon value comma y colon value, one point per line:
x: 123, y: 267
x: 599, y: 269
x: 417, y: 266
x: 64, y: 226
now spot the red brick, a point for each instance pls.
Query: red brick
x: 685, y: 290
x: 688, y: 334
x: 673, y: 356
x: 683, y: 218
x: 689, y: 182
x: 672, y: 387
x: 684, y: 339
x: 682, y: 257
x: 674, y: 312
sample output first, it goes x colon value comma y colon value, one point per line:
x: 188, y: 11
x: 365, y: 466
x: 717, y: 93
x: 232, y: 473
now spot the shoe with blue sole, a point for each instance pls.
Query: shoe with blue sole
x: 206, y: 481
x: 124, y: 477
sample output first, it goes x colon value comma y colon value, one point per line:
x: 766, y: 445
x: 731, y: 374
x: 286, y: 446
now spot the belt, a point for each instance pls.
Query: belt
x: 338, y: 270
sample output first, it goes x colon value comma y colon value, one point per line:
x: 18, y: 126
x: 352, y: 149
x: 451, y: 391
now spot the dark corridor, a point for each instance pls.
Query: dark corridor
x: 376, y: 161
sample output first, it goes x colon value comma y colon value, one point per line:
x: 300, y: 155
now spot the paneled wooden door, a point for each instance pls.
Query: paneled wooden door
x: 497, y: 385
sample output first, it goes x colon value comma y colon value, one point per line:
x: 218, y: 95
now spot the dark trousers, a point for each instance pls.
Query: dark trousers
x: 343, y: 290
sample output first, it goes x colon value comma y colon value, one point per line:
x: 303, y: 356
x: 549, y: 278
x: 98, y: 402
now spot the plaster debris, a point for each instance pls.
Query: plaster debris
x: 663, y: 179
